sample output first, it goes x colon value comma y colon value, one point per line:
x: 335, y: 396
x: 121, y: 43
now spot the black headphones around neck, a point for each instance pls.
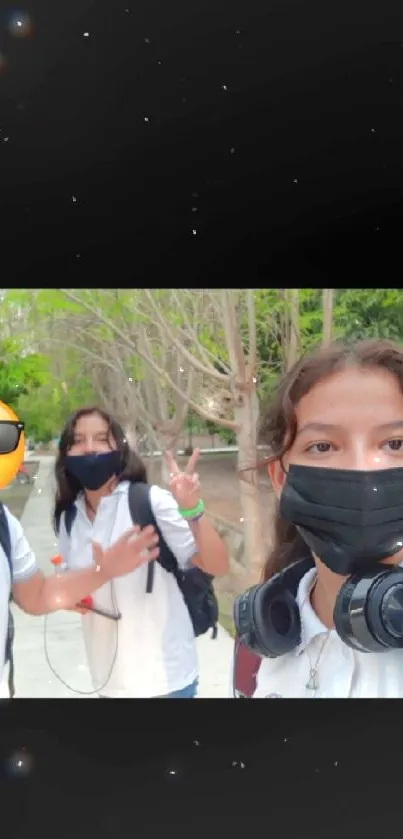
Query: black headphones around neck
x: 368, y: 613
x: 267, y: 618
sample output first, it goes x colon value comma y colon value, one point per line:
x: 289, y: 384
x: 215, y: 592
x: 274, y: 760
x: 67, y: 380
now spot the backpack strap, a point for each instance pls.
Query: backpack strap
x: 142, y: 514
x: 246, y: 667
x: 5, y: 542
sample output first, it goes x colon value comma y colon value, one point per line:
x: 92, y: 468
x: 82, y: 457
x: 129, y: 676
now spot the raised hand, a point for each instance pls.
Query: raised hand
x: 184, y: 486
x: 132, y: 549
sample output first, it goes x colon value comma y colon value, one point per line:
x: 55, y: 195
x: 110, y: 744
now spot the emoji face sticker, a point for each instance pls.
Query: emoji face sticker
x: 12, y: 445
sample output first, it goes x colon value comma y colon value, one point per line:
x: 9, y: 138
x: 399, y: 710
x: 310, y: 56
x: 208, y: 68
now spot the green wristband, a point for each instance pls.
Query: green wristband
x: 191, y: 514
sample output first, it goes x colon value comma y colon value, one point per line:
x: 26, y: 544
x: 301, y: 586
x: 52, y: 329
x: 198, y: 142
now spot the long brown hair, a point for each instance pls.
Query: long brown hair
x: 279, y: 425
x: 67, y: 489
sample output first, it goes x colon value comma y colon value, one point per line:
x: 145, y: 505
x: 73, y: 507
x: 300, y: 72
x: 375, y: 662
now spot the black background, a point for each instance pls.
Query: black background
x: 102, y: 768
x: 294, y: 171
x: 307, y: 82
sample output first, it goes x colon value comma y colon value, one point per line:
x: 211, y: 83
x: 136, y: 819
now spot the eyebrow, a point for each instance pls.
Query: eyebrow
x: 329, y: 427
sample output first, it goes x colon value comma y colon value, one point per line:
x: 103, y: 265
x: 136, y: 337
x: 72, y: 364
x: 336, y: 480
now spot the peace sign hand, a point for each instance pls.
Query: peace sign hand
x: 184, y: 486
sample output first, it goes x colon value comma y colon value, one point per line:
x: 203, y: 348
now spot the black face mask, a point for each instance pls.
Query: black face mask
x: 93, y: 470
x: 350, y: 519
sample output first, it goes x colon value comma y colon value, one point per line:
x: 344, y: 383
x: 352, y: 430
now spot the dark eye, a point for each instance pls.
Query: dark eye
x: 395, y: 445
x: 319, y: 448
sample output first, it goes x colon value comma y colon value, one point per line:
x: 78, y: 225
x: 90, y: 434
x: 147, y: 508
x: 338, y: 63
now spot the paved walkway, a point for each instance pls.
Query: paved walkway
x: 33, y: 676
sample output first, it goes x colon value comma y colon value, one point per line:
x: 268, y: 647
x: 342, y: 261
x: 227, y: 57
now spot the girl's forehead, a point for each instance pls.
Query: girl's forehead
x: 91, y: 422
x: 348, y: 397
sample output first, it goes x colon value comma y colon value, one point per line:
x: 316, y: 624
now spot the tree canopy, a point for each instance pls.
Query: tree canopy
x: 137, y: 348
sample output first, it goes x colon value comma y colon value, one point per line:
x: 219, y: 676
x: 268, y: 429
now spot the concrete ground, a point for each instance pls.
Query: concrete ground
x: 33, y: 676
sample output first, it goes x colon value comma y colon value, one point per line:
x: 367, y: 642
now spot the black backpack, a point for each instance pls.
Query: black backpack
x: 5, y: 542
x: 196, y: 586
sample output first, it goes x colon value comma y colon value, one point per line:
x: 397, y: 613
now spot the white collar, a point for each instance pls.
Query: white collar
x: 120, y: 488
x: 310, y: 623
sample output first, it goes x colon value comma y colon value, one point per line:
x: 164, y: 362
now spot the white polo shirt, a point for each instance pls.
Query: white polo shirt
x: 151, y: 651
x: 24, y: 566
x: 342, y: 673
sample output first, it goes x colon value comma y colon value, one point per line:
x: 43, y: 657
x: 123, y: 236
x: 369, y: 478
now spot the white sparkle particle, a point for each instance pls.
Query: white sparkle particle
x: 238, y: 764
x: 74, y: 199
x: 78, y: 255
x: 196, y: 742
x: 127, y: 11
x: 373, y: 130
x: 6, y: 139
x: 224, y: 87
x: 238, y: 32
x: 194, y: 231
x: 39, y: 491
x: 181, y: 370
x: 146, y: 40
x: 19, y: 764
x: 195, y: 209
x: 130, y: 379
x: 295, y: 180
x: 20, y: 25
x: 159, y: 62
x: 242, y: 519
x: 336, y: 763
x: 172, y: 772
x: 285, y: 739
x: 146, y: 119
x: 86, y: 34
x: 232, y: 150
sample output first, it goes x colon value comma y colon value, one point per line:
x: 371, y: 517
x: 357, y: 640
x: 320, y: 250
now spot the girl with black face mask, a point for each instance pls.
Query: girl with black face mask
x: 328, y: 623
x: 151, y: 650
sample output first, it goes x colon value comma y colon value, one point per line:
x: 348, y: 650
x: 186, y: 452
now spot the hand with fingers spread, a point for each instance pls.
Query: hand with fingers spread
x: 184, y: 486
x: 132, y: 549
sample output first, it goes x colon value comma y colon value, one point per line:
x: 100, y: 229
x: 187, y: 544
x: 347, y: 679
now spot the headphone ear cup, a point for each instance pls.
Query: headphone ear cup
x: 276, y: 618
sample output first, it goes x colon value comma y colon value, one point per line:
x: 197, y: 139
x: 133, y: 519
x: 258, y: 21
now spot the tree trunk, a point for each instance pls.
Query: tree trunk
x: 131, y: 435
x: 158, y: 466
x: 246, y: 415
x: 327, y: 306
x: 294, y: 342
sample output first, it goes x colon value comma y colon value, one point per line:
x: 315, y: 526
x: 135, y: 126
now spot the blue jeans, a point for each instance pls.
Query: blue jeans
x: 189, y: 692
